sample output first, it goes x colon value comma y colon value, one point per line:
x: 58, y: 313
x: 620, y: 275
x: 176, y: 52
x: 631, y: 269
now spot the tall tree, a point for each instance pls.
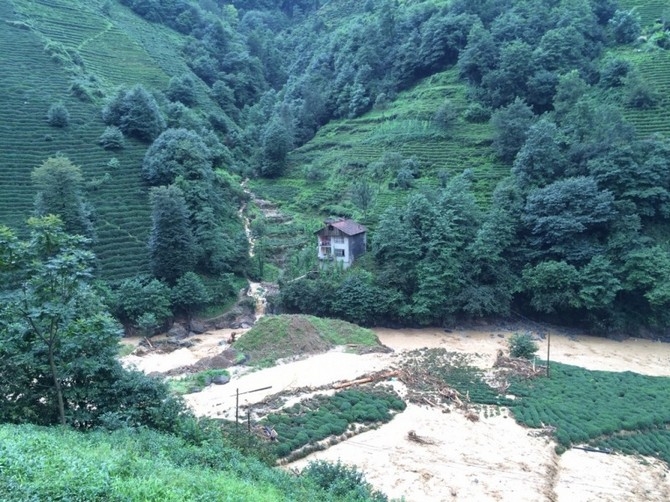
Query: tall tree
x: 171, y: 244
x: 59, y: 183
x: 49, y: 320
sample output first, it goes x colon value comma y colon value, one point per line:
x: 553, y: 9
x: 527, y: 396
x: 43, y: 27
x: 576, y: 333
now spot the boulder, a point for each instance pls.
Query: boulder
x: 220, y: 379
x: 197, y: 327
x: 177, y: 331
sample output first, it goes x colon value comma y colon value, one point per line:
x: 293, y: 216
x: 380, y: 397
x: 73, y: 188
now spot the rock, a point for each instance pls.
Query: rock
x: 177, y: 331
x: 220, y: 379
x: 197, y: 327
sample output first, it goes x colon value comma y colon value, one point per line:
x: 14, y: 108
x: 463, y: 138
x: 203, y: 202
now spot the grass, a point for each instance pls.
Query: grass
x: 127, y: 465
x: 281, y: 336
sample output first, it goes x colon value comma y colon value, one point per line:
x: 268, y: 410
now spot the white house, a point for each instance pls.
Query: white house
x: 342, y: 241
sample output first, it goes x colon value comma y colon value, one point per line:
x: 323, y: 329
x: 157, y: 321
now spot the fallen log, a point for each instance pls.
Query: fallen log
x: 375, y: 377
x: 351, y: 383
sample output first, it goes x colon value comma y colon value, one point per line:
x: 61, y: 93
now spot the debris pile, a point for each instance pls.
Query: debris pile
x: 413, y: 436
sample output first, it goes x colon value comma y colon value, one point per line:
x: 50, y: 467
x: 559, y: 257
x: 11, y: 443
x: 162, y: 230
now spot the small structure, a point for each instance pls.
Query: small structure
x: 341, y: 240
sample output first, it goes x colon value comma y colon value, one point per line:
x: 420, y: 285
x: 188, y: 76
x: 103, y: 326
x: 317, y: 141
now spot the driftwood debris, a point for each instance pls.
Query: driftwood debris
x: 518, y: 365
x: 413, y: 436
x: 372, y: 377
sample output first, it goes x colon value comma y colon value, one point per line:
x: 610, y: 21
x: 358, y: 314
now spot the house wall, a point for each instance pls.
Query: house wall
x: 357, y: 246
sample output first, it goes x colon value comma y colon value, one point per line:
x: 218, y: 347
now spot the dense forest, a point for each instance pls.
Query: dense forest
x: 573, y: 229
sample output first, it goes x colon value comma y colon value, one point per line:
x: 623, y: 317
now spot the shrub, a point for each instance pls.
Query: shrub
x: 58, y: 116
x: 613, y: 72
x: 182, y: 89
x: 111, y: 138
x: 445, y: 115
x: 522, y: 345
x: 341, y: 480
x: 477, y: 113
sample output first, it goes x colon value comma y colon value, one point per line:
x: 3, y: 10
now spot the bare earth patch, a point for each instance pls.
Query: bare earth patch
x: 490, y: 459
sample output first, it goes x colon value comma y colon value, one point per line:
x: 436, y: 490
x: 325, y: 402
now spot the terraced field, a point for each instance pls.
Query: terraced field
x: 649, y: 10
x: 31, y: 83
x: 342, y: 150
x: 653, y: 65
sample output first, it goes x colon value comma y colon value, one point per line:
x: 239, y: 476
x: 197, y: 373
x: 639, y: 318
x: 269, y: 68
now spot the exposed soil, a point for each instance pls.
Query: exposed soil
x: 492, y: 458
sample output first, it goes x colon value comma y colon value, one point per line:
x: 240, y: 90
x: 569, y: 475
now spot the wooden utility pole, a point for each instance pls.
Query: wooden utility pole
x: 237, y: 412
x: 548, y: 350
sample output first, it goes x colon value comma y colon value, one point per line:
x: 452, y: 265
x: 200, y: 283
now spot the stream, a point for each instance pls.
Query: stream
x: 256, y: 290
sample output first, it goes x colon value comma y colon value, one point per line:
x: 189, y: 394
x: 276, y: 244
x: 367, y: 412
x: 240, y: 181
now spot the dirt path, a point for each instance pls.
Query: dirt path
x: 492, y: 459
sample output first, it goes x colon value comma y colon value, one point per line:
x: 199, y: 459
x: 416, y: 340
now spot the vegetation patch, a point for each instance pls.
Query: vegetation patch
x: 198, y: 381
x: 276, y: 337
x: 454, y: 369
x: 131, y: 465
x: 320, y: 417
x: 596, y: 406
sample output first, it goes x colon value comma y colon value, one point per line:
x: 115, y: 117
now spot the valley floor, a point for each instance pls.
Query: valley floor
x: 493, y: 458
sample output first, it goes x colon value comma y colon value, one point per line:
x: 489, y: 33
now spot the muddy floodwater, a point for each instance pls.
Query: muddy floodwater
x: 491, y: 459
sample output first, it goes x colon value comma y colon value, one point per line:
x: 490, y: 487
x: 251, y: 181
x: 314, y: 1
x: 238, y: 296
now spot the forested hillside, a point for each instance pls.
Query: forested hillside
x: 509, y: 158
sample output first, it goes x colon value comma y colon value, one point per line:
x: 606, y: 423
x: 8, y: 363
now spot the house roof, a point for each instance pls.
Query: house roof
x: 348, y: 227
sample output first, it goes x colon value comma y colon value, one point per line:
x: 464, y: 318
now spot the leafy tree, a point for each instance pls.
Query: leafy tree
x: 58, y: 182
x: 136, y: 113
x: 479, y: 55
x: 599, y: 284
x: 562, y: 49
x: 625, y: 26
x: 171, y: 244
x: 59, y: 346
x: 362, y: 195
x: 360, y: 301
x: 553, y: 286
x: 491, y: 279
x: 140, y: 297
x: 569, y: 218
x: 635, y: 172
x: 182, y: 88
x: 503, y: 84
x: 276, y: 143
x: 511, y: 125
x: 189, y: 294
x: 541, y: 159
x: 570, y: 90
x: 613, y: 72
x: 177, y: 152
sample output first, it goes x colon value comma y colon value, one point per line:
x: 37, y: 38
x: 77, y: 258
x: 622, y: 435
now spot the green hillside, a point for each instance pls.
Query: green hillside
x: 100, y: 52
x: 343, y: 149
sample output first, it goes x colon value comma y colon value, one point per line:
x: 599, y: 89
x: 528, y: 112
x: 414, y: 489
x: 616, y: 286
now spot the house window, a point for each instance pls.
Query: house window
x: 339, y: 252
x: 338, y: 240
